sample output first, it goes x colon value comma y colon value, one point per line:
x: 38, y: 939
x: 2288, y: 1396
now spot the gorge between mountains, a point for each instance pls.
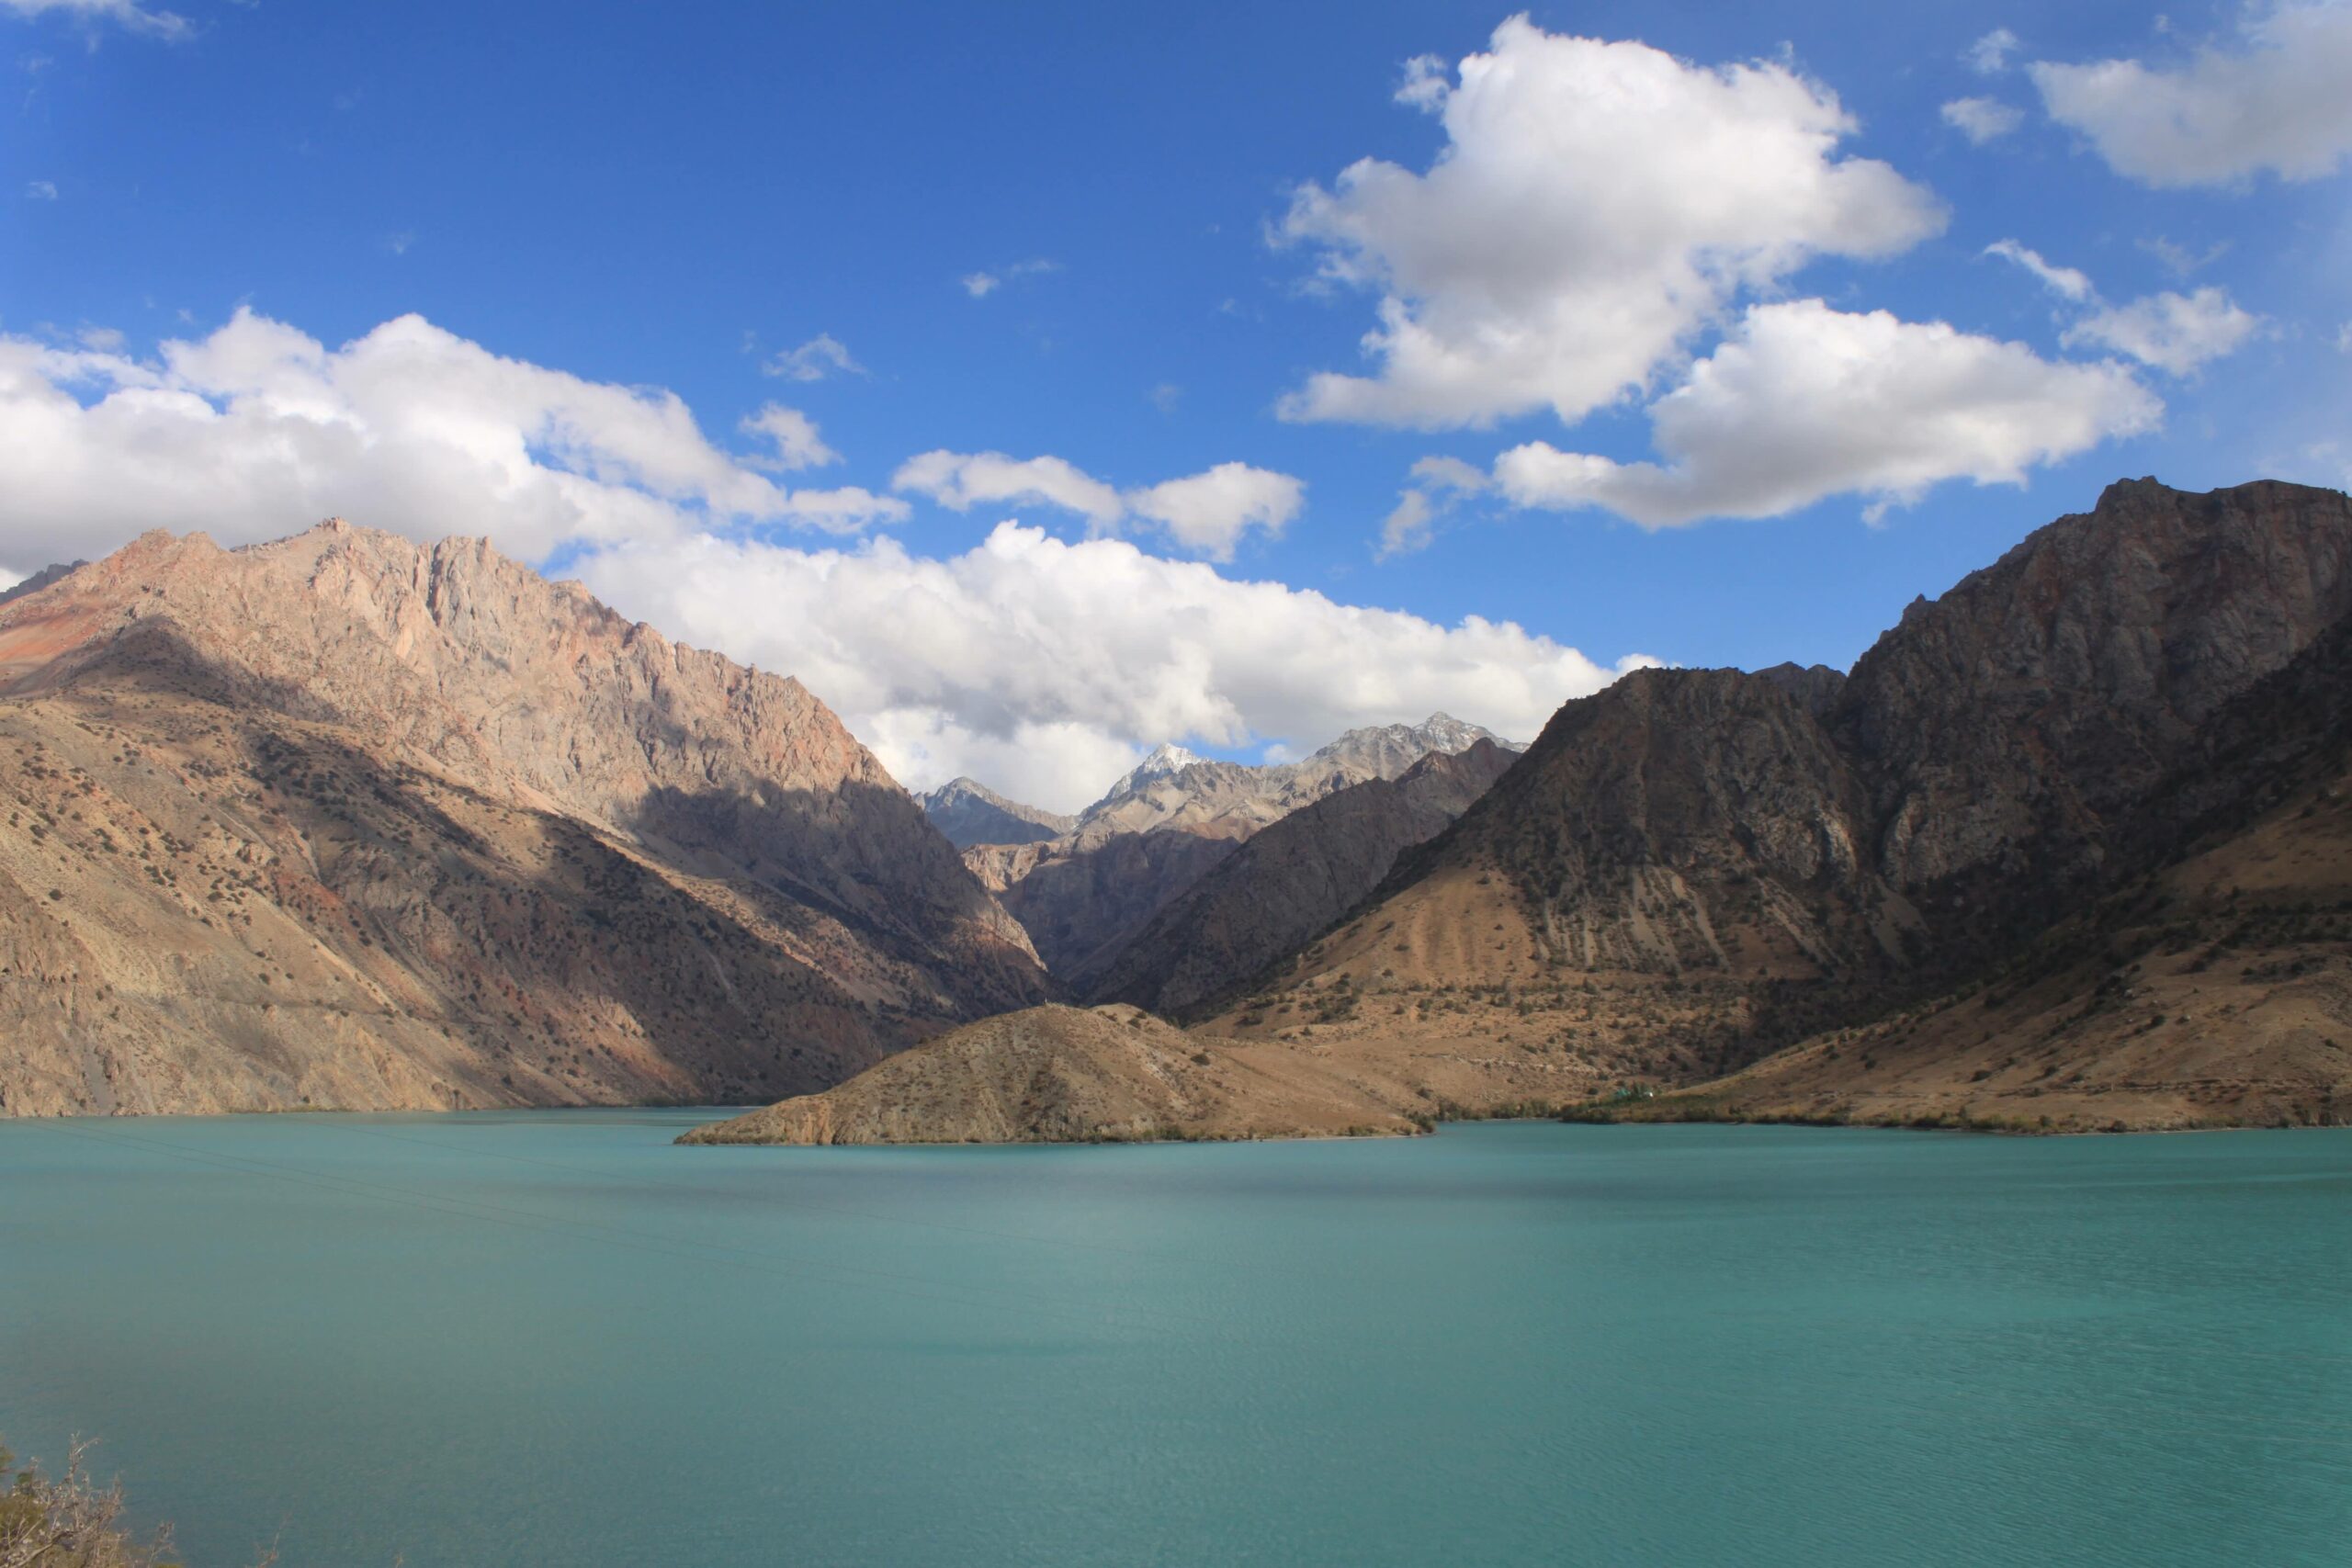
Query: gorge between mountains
x: 345, y: 823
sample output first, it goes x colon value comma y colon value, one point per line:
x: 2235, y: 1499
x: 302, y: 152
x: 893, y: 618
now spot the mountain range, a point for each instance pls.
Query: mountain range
x: 1086, y: 894
x: 2040, y: 815
x: 348, y: 821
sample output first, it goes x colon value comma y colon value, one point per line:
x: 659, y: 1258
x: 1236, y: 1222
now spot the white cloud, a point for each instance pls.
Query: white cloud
x: 793, y: 434
x: 258, y: 429
x: 1989, y: 55
x: 10, y: 579
x: 131, y: 14
x: 40, y: 190
x: 2177, y: 333
x: 1595, y: 204
x: 2174, y: 333
x: 814, y: 360
x: 1983, y: 119
x: 2179, y: 260
x: 1045, y: 667
x: 980, y: 285
x: 1426, y: 84
x: 2277, y: 101
x: 1439, y: 485
x: 962, y: 480
x: 2063, y: 281
x: 1209, y: 513
x: 1803, y: 402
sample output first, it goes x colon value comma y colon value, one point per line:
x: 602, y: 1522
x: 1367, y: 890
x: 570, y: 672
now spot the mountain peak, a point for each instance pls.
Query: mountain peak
x: 971, y: 813
x: 1167, y: 759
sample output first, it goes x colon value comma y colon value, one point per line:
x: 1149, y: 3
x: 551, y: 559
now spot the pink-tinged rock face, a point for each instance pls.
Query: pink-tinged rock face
x: 451, y: 669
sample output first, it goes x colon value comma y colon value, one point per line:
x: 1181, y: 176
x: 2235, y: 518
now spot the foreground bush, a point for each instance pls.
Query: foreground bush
x: 70, y: 1522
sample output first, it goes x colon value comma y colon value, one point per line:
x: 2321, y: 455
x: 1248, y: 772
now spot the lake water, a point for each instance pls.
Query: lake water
x: 553, y: 1338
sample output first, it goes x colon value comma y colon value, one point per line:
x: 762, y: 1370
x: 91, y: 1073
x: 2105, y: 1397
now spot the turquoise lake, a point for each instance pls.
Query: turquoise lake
x: 554, y: 1339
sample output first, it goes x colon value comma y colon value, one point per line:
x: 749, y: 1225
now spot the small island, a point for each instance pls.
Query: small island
x: 1066, y: 1074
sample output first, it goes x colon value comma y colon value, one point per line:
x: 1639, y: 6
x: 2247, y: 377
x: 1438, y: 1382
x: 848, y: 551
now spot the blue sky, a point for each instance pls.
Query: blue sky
x: 585, y: 198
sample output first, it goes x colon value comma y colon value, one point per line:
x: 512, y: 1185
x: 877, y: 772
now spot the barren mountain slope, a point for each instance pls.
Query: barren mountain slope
x: 1692, y: 867
x: 971, y: 813
x: 1291, y: 881
x: 1083, y: 897
x: 512, y: 846
x: 1631, y: 898
x: 1071, y: 1075
x: 2213, y: 990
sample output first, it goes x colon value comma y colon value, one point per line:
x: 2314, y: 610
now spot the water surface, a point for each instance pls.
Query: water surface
x: 553, y: 1337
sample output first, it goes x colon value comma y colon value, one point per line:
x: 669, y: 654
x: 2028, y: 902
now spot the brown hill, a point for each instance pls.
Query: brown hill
x: 1073, y: 1074
x: 343, y: 820
x: 1692, y: 868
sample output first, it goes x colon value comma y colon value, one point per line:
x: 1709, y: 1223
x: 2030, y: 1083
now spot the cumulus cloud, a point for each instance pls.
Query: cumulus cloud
x: 820, y: 357
x: 131, y: 14
x: 2177, y: 333
x: 2275, y: 101
x: 1045, y: 668
x: 1595, y: 204
x: 961, y: 480
x: 1207, y: 514
x: 40, y: 190
x: 1983, y: 119
x: 2174, y: 333
x: 793, y: 435
x: 1989, y: 55
x: 259, y: 429
x: 1802, y: 402
x: 1439, y: 485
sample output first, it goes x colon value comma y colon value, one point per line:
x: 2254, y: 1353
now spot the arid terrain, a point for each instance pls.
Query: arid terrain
x: 342, y: 822
x: 1076, y: 1075
x: 2091, y: 788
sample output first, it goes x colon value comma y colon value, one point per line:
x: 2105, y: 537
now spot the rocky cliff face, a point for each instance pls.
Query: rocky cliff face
x: 514, y: 848
x: 1291, y: 881
x: 1083, y: 897
x: 971, y: 813
x: 2014, y: 718
x: 1692, y: 867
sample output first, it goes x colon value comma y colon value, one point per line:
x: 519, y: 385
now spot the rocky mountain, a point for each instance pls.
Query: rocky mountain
x: 1172, y: 788
x: 2207, y: 984
x: 1071, y: 1075
x: 39, y: 580
x: 971, y: 813
x: 1084, y: 896
x: 1291, y: 881
x: 1692, y: 868
x: 344, y: 820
